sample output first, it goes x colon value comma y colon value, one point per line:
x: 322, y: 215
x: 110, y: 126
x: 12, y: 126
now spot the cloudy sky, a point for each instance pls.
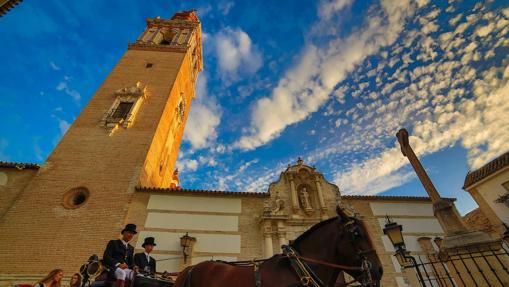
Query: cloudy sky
x: 328, y: 81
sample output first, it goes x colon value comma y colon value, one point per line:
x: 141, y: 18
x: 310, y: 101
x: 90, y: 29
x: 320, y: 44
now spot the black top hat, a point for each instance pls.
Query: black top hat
x: 149, y: 241
x: 130, y: 227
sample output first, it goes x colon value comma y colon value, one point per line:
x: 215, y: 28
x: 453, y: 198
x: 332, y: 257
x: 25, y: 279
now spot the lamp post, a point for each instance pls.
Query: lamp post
x: 395, y: 233
x: 186, y: 242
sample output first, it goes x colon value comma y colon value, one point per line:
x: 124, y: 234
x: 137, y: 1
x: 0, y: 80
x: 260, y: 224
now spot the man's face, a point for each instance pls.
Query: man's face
x: 149, y: 248
x: 127, y: 236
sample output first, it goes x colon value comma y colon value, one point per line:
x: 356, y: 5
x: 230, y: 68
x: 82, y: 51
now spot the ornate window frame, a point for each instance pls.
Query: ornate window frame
x: 135, y: 95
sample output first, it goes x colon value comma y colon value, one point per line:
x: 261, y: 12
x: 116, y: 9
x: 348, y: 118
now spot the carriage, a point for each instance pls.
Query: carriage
x: 96, y: 274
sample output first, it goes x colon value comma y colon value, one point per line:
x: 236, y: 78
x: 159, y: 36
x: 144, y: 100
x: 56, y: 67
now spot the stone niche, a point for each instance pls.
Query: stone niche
x: 303, y: 192
x: 300, y: 198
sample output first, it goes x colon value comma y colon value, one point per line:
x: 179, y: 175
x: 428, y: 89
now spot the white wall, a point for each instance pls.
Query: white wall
x: 401, y: 208
x: 194, y: 203
x: 415, y: 225
x: 214, y: 243
x: 491, y: 189
x: 192, y: 221
x: 213, y: 221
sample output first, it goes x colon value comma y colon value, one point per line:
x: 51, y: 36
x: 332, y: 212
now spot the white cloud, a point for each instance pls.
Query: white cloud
x: 204, y: 118
x: 62, y: 86
x: 477, y: 123
x: 236, y: 53
x: 328, y: 7
x: 63, y: 126
x: 472, y: 116
x: 54, y: 66
x: 225, y: 7
x: 307, y: 85
x: 189, y: 165
x: 485, y: 30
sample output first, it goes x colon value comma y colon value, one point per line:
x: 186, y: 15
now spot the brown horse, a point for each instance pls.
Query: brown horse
x: 327, y: 248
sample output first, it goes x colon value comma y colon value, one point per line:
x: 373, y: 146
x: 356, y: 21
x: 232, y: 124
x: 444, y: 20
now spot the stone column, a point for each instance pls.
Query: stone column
x: 281, y: 233
x: 152, y: 34
x: 268, y: 249
x: 295, y: 198
x: 444, y: 210
x: 158, y: 37
x: 320, y: 194
x: 457, y: 236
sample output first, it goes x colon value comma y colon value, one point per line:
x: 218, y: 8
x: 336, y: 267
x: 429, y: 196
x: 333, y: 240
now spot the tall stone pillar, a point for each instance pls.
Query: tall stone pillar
x: 457, y: 235
x: 281, y: 233
x: 444, y: 210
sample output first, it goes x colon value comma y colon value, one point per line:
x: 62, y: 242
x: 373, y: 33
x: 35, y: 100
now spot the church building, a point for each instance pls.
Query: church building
x: 116, y: 165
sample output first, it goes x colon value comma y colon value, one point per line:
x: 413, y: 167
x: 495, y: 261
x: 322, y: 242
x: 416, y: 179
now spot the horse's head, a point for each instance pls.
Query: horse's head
x: 356, y: 245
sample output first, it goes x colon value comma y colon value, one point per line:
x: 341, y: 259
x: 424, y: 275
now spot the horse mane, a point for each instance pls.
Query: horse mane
x: 296, y: 243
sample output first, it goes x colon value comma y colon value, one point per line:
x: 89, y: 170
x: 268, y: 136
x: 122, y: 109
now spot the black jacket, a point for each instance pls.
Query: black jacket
x: 140, y: 260
x: 117, y: 253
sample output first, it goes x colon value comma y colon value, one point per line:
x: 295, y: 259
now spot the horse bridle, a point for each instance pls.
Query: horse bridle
x: 352, y: 228
x: 308, y: 278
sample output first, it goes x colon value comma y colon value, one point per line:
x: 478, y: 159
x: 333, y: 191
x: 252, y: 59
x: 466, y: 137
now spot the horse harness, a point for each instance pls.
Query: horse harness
x: 307, y: 277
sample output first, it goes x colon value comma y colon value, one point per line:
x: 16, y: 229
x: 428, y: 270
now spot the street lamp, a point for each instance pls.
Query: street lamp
x: 403, y: 256
x: 394, y: 232
x: 186, y: 243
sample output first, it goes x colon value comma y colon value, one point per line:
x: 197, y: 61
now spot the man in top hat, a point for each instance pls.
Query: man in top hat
x: 118, y: 256
x: 143, y: 260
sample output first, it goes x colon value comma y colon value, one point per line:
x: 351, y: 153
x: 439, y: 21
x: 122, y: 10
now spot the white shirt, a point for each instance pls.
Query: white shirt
x: 148, y: 256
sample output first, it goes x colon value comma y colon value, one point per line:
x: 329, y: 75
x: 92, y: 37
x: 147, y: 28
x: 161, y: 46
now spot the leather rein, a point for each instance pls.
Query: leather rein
x: 308, y: 277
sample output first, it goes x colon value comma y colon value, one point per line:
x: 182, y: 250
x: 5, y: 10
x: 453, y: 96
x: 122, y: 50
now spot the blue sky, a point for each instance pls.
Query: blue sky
x: 329, y: 81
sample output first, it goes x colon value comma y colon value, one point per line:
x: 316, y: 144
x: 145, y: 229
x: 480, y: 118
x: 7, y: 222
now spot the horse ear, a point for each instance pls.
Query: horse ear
x: 341, y: 213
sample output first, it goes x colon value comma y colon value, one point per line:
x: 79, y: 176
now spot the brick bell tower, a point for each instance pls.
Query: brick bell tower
x: 129, y: 134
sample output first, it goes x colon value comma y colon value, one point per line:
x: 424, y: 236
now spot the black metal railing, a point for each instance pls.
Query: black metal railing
x: 472, y: 267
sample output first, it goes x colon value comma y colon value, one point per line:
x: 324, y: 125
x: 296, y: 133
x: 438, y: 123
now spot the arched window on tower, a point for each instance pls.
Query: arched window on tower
x: 125, y: 106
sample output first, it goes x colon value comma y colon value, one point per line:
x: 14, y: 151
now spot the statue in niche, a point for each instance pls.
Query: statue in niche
x: 279, y: 206
x: 304, y: 199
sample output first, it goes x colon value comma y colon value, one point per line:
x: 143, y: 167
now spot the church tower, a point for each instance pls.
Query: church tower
x: 128, y: 135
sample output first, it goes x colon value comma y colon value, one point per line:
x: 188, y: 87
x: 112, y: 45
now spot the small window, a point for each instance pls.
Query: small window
x: 122, y: 110
x: 149, y: 65
x: 75, y: 197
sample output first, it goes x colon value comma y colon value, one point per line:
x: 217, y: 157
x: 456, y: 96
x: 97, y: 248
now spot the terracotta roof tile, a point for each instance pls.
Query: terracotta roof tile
x: 392, y: 197
x: 19, y: 165
x: 265, y: 194
x: 486, y: 170
x: 200, y: 191
x: 8, y: 5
